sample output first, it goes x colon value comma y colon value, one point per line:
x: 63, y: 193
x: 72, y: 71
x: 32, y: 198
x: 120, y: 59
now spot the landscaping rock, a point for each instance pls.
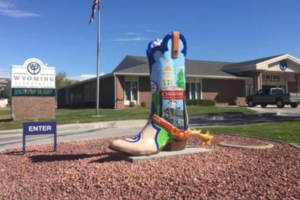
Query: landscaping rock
x: 86, y: 170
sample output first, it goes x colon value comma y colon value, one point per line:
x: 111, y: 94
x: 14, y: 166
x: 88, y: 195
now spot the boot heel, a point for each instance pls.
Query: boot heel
x: 175, y: 145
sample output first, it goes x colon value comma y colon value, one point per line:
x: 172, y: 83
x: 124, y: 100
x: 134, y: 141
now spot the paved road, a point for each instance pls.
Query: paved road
x: 66, y: 136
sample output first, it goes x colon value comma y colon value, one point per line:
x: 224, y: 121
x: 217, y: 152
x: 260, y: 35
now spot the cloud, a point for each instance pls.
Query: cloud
x: 130, y: 39
x: 4, y: 5
x: 131, y: 33
x: 8, y: 9
x: 151, y: 31
x: 83, y: 77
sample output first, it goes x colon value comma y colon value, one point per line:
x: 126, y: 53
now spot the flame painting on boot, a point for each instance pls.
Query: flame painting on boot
x: 167, y: 126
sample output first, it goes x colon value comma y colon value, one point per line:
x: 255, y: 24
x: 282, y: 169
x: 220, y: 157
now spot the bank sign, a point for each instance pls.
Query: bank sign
x: 32, y: 74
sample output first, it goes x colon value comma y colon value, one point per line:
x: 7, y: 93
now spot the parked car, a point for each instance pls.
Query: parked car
x: 273, y: 96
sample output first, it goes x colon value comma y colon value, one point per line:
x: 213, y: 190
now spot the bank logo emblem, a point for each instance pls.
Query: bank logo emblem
x: 283, y: 65
x: 33, y: 68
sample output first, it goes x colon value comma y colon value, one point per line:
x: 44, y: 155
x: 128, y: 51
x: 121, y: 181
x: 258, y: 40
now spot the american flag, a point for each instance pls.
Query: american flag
x: 96, y: 2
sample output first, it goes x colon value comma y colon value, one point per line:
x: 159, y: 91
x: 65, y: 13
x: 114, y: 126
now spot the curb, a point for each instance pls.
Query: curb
x: 87, y: 126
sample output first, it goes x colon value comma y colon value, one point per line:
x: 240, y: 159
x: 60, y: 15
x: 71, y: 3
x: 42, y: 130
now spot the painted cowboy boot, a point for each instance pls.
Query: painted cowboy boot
x: 167, y: 126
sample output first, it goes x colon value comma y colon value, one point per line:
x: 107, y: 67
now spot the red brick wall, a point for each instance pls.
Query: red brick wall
x: 120, y: 92
x: 33, y: 107
x: 145, y: 91
x: 292, y: 87
x: 223, y: 91
x: 106, y: 96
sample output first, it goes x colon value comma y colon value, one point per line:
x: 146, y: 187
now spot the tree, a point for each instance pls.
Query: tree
x: 61, y: 80
x: 180, y: 80
x: 5, y: 94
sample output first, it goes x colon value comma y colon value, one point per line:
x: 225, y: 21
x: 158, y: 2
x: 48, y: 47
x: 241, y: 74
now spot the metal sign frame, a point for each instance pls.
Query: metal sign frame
x: 40, y: 128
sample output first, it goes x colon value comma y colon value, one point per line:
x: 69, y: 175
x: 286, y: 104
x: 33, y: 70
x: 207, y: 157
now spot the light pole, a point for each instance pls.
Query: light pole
x: 98, y: 58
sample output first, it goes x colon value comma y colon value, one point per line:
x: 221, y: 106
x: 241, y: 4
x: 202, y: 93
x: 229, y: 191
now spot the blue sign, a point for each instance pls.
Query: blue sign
x: 283, y: 65
x: 39, y: 128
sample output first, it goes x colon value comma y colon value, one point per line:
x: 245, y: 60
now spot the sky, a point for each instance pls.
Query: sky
x: 58, y: 31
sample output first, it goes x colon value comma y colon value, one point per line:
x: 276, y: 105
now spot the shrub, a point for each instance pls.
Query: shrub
x: 132, y: 104
x: 190, y: 102
x: 143, y: 104
x: 235, y: 102
x: 200, y: 102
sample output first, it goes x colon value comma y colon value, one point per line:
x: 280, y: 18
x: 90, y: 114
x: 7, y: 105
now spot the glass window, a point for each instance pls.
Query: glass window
x: 249, y: 90
x: 193, y: 91
x: 87, y: 92
x: 94, y: 92
x: 198, y: 90
x: 283, y: 87
x: 277, y: 91
x: 187, y: 91
x: 127, y: 91
x: 260, y: 92
x: 134, y: 91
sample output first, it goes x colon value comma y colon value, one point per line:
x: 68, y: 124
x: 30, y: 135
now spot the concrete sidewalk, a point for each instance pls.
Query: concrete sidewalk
x: 85, y: 126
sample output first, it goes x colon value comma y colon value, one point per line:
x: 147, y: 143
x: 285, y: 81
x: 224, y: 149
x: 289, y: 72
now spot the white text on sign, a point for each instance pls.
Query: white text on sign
x: 39, y: 128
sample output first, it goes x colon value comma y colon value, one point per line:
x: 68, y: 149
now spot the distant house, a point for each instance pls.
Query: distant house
x: 4, y: 83
x: 224, y: 82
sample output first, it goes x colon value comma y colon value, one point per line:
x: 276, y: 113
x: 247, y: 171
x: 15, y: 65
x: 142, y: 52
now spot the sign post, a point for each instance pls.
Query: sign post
x: 39, y: 128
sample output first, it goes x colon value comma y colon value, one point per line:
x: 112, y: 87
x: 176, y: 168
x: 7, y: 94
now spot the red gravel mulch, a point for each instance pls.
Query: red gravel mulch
x: 86, y: 170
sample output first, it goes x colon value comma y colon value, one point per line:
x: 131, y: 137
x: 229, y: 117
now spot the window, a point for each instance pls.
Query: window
x: 260, y: 92
x: 131, y: 91
x: 87, y: 93
x: 198, y: 90
x: 127, y: 91
x: 277, y: 91
x: 249, y: 89
x: 94, y: 92
x: 193, y: 91
x: 283, y: 87
x: 134, y: 91
x: 187, y: 91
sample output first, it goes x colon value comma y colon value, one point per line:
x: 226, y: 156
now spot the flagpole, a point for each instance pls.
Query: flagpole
x: 98, y: 59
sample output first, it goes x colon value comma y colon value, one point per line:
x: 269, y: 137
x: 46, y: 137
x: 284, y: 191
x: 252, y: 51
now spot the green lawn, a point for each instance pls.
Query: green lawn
x: 68, y: 116
x: 288, y: 131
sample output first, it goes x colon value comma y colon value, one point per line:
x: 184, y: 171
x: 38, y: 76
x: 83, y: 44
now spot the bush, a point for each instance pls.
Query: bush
x: 143, y: 104
x: 235, y: 102
x: 190, y: 102
x: 200, y: 102
x: 132, y: 104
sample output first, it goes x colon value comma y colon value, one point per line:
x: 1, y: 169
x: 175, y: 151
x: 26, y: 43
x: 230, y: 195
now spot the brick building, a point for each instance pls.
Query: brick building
x: 223, y: 82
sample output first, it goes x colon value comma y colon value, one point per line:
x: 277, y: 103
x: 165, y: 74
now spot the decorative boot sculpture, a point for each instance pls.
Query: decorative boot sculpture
x: 167, y: 126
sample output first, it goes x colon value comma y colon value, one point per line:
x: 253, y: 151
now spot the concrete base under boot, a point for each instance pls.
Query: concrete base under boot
x: 188, y: 150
